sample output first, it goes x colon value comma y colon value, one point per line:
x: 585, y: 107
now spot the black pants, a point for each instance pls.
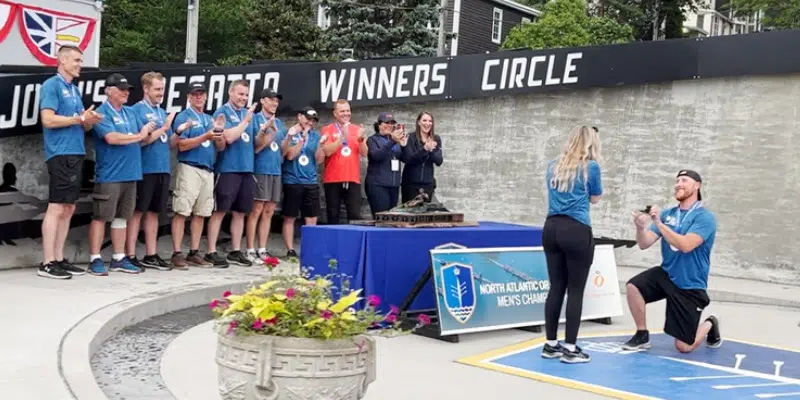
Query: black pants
x: 381, y: 198
x: 410, y: 191
x: 569, y: 248
x: 350, y: 192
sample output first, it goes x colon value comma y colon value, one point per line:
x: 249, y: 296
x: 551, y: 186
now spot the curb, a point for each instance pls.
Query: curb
x: 82, y: 341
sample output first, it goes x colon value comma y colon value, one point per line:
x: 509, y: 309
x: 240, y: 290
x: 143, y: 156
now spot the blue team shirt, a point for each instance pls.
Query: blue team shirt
x: 116, y: 163
x: 238, y: 156
x: 574, y: 203
x: 268, y: 161
x: 156, y: 155
x: 205, y: 154
x: 65, y: 100
x: 296, y: 174
x: 688, y: 270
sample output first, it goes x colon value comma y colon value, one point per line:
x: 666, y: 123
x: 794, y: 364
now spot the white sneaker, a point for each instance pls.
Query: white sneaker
x: 256, y: 260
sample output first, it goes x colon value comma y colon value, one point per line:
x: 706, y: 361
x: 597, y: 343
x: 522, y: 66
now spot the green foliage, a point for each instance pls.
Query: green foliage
x: 382, y: 28
x: 640, y: 14
x: 566, y: 23
x: 778, y: 14
x: 286, y: 29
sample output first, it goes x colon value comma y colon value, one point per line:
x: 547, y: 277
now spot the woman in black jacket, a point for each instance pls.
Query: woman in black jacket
x: 423, y: 151
x: 382, y: 183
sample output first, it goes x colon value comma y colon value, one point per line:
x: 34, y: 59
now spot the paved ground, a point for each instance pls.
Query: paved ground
x: 36, y: 314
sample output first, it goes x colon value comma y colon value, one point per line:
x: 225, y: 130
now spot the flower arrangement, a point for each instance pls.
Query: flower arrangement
x: 305, y: 307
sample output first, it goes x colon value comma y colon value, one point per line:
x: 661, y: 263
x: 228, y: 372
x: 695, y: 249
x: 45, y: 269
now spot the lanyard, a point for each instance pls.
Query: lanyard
x: 157, y: 114
x: 305, y: 143
x: 200, y: 119
x: 343, y: 135
x: 395, y: 147
x: 678, y: 218
x: 121, y: 116
x: 76, y: 96
x: 238, y: 114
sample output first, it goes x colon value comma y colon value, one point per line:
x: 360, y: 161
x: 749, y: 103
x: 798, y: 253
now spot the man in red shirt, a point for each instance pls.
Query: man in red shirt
x: 344, y: 145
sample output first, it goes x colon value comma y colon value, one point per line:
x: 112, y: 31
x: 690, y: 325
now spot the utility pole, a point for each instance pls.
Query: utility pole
x: 442, y: 11
x: 192, y: 19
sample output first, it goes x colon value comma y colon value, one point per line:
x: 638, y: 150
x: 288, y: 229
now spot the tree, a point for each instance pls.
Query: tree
x: 382, y: 28
x: 778, y: 14
x: 565, y: 23
x: 280, y: 30
x: 640, y: 14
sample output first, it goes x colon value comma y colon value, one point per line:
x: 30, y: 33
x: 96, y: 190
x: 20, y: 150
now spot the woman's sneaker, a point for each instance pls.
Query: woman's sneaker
x: 575, y: 357
x: 551, y: 352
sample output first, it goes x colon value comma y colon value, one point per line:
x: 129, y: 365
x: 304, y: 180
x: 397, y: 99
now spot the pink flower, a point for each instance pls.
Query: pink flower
x: 424, y: 319
x: 227, y: 293
x: 373, y: 300
x: 232, y: 326
x: 326, y: 314
x: 257, y: 324
x: 214, y: 304
x: 390, y: 318
x: 394, y: 310
x: 289, y: 293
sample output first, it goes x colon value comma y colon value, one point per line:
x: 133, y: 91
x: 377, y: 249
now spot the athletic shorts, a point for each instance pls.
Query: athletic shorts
x: 194, y: 191
x: 114, y: 200
x: 300, y: 199
x: 152, y: 193
x: 684, y: 306
x: 268, y: 188
x: 233, y: 191
x: 66, y: 173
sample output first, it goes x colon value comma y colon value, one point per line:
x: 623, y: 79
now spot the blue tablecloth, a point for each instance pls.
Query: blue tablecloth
x: 388, y: 261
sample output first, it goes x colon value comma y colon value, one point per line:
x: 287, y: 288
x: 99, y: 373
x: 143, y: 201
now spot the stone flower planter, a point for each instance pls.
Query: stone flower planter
x: 281, y: 368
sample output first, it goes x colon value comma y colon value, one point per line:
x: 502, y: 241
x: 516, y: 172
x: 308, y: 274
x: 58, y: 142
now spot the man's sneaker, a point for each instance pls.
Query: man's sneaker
x: 68, y: 267
x: 291, y: 253
x: 135, y: 261
x: 53, y: 270
x: 216, y: 260
x: 194, y: 259
x: 552, y: 351
x: 575, y: 357
x: 155, y: 262
x: 124, y: 265
x: 236, y: 257
x: 254, y: 258
x: 714, y: 337
x: 178, y: 261
x: 97, y: 267
x: 641, y: 340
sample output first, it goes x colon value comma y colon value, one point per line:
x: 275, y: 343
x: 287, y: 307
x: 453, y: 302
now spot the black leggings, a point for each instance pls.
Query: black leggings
x: 350, y: 192
x: 569, y: 248
x: 381, y: 198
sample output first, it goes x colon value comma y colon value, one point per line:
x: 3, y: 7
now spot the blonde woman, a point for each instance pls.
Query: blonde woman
x: 573, y: 181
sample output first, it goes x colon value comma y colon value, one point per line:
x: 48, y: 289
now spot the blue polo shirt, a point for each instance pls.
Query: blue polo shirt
x: 574, y: 203
x: 296, y: 174
x: 268, y: 161
x: 115, y: 163
x: 205, y: 154
x: 239, y: 155
x: 156, y: 155
x: 688, y: 270
x: 65, y: 100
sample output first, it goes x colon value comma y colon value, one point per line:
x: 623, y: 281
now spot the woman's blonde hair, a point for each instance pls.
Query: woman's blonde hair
x: 582, y: 145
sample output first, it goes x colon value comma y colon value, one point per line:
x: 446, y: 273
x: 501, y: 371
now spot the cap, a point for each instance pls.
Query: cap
x: 197, y: 87
x: 694, y: 175
x: 310, y: 113
x: 268, y: 93
x: 118, y: 81
x: 386, y: 117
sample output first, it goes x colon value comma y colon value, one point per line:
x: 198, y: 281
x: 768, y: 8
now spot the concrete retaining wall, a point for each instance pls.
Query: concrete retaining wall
x: 737, y: 132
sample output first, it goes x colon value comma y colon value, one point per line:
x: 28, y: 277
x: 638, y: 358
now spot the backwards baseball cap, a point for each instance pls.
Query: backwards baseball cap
x: 268, y: 93
x: 694, y: 175
x: 197, y: 87
x: 118, y: 81
x: 386, y: 117
x: 310, y: 112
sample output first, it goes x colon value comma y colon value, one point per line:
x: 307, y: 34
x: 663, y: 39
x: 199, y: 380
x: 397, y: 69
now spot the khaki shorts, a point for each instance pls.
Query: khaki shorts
x: 114, y: 200
x: 194, y: 191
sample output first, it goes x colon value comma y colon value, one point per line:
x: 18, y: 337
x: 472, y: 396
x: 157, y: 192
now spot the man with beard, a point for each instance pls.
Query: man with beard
x: 152, y: 192
x: 267, y: 168
x: 118, y: 168
x: 688, y: 231
x: 234, y: 186
x: 64, y: 123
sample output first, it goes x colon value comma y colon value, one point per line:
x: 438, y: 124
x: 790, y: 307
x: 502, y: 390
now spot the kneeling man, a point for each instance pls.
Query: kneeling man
x: 688, y: 231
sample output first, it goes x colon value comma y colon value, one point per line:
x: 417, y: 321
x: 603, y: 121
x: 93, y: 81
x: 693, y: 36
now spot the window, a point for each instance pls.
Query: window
x: 323, y: 19
x: 497, y: 25
x: 526, y: 20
